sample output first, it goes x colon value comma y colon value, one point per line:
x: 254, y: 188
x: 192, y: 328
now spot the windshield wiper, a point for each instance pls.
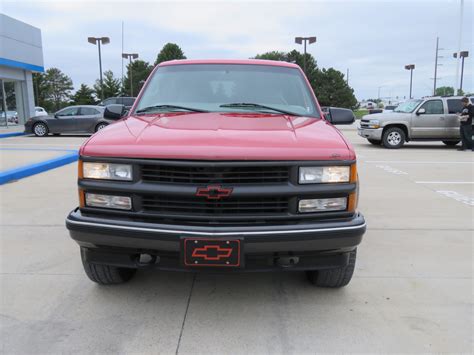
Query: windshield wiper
x: 171, y: 107
x: 250, y: 105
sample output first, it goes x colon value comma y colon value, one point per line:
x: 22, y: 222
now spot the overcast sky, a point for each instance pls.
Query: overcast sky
x: 374, y: 39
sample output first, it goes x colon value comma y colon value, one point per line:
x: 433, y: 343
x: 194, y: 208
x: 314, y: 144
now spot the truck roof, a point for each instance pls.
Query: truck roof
x: 230, y: 61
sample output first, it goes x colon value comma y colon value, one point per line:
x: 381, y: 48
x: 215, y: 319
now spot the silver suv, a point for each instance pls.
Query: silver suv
x: 429, y: 119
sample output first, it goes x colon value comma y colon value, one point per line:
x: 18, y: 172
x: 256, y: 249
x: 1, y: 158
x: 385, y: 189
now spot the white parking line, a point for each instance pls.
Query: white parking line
x: 444, y: 182
x: 458, y: 197
x: 389, y: 169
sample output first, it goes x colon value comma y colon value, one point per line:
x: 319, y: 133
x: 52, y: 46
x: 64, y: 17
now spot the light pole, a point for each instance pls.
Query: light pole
x: 300, y: 40
x: 130, y: 56
x: 410, y: 67
x: 97, y: 41
x: 462, y: 55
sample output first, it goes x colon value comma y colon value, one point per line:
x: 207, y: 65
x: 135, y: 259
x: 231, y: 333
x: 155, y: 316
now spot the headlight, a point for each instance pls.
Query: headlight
x: 323, y: 205
x: 374, y: 124
x: 324, y: 174
x: 107, y: 171
x: 108, y: 201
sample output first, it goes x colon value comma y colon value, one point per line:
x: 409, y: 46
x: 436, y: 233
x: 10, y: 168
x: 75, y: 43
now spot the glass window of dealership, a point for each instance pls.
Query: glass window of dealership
x: 21, y: 54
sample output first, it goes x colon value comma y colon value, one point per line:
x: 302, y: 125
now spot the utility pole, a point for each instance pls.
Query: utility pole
x: 436, y: 65
x: 410, y: 67
x: 347, y: 77
x: 462, y: 54
x: 98, y: 41
x: 300, y: 40
x: 461, y: 10
x: 130, y: 56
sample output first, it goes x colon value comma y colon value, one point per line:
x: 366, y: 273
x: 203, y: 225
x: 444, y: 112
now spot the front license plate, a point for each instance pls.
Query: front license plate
x: 212, y: 252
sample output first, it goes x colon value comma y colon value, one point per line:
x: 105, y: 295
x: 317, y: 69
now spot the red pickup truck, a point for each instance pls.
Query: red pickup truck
x: 220, y: 165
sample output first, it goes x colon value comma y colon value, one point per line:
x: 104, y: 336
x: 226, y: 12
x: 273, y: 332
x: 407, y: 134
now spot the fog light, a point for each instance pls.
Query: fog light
x: 323, y: 205
x: 108, y: 201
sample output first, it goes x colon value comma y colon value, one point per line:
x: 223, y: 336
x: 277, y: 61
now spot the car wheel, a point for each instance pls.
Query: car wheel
x: 107, y: 274
x: 393, y: 138
x: 334, y: 278
x: 374, y: 141
x: 451, y: 143
x: 40, y: 129
x: 100, y: 126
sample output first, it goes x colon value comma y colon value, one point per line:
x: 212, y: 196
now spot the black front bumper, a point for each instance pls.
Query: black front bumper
x: 316, y: 245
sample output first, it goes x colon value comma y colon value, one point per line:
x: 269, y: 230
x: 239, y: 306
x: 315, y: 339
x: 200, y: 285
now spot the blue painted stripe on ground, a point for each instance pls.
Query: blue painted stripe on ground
x: 11, y: 134
x: 32, y: 169
x: 41, y: 149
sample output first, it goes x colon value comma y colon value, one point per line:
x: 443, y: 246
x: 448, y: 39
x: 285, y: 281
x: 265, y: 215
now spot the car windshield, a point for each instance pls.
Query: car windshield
x: 407, y: 106
x: 228, y: 88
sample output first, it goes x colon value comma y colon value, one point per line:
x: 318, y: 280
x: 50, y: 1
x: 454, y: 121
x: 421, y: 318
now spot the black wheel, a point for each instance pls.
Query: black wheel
x: 451, y: 143
x: 40, y: 129
x: 334, y: 278
x: 374, y: 141
x: 107, y: 274
x: 100, y: 126
x: 393, y: 138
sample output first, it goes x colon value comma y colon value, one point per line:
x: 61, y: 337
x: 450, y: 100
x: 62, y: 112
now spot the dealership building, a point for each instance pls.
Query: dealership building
x: 21, y: 54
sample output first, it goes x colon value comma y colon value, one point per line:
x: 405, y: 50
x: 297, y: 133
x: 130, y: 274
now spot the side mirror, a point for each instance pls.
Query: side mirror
x: 114, y: 112
x: 421, y: 111
x: 337, y: 115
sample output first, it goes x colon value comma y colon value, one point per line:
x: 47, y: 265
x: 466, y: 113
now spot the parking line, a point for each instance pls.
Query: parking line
x: 11, y: 134
x: 36, y: 168
x: 444, y: 182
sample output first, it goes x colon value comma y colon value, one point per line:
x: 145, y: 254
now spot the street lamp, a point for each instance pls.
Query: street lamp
x: 97, y: 41
x: 410, y: 67
x: 130, y: 56
x: 300, y: 40
x: 462, y: 55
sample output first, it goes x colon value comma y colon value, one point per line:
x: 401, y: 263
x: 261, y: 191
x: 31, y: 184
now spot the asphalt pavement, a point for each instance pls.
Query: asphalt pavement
x: 411, y: 291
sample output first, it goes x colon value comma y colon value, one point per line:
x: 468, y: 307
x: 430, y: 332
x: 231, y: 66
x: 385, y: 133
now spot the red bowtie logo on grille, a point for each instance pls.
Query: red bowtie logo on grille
x: 213, y: 192
x: 212, y: 252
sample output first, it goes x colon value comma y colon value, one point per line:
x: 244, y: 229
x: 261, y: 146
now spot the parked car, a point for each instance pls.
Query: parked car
x: 12, y: 117
x: 122, y: 100
x: 39, y: 111
x: 428, y: 119
x: 226, y: 165
x: 72, y: 119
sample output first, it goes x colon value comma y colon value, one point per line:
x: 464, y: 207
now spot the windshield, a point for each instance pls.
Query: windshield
x: 407, y: 106
x: 221, y: 87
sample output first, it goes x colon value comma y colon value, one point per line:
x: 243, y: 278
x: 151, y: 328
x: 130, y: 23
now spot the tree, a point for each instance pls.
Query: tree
x: 140, y: 72
x: 444, y: 91
x: 169, y: 51
x: 111, y: 86
x: 40, y: 90
x: 328, y: 84
x: 57, y: 86
x: 84, y: 96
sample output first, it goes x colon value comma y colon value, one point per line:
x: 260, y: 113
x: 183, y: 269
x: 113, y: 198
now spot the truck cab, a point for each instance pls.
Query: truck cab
x: 428, y: 119
x: 220, y: 165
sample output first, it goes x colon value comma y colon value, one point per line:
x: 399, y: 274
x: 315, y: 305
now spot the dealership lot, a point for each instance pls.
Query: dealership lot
x: 411, y: 292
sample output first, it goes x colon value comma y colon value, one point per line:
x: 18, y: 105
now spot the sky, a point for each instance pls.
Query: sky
x: 373, y: 39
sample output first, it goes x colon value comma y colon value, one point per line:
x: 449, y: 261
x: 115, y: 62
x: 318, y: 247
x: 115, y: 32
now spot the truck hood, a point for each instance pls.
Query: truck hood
x: 385, y: 115
x: 220, y: 136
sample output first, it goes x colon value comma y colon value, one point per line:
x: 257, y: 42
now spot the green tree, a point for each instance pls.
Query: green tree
x: 140, y: 71
x: 57, y: 87
x: 169, y: 51
x: 40, y: 90
x: 444, y: 91
x: 111, y: 86
x: 328, y: 84
x: 84, y: 96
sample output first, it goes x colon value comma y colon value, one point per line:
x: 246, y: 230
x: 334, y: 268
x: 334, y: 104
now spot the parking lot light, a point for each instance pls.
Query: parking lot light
x: 301, y: 40
x: 462, y: 55
x: 130, y: 56
x: 410, y: 67
x: 97, y: 41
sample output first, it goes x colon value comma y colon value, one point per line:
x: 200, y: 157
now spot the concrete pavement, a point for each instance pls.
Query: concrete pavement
x: 411, y: 292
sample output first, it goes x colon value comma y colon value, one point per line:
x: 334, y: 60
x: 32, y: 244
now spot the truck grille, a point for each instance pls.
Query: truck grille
x: 215, y: 174
x: 204, y: 207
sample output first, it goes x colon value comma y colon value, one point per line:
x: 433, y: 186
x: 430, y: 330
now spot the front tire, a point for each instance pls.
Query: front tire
x: 374, y: 141
x: 334, y: 278
x: 40, y: 129
x: 451, y: 143
x: 393, y: 138
x: 107, y: 274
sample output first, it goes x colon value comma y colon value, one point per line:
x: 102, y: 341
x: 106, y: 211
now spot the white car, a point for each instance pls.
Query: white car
x: 39, y: 111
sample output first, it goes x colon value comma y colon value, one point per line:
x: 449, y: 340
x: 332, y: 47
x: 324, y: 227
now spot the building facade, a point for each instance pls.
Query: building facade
x: 21, y: 54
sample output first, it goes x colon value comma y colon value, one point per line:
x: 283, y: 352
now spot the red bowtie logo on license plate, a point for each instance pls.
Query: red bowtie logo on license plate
x: 214, y: 192
x: 212, y: 252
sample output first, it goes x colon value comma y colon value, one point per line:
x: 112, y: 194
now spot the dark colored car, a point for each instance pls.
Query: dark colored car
x: 72, y: 119
x: 122, y: 100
